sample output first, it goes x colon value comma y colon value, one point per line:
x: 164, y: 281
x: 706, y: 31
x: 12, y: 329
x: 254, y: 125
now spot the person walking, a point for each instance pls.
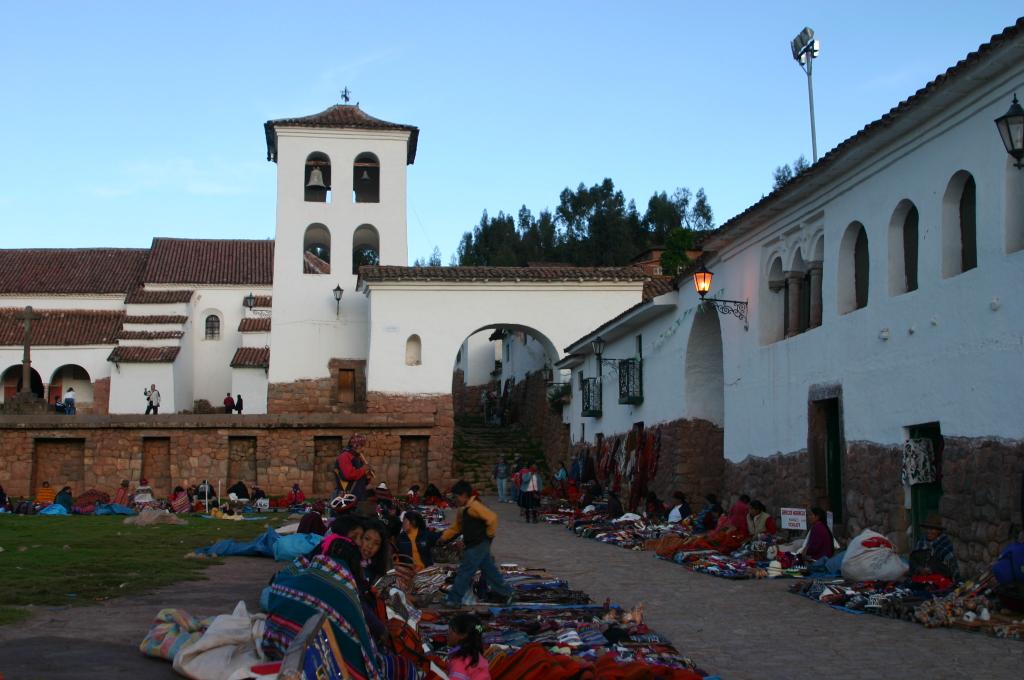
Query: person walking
x: 501, y: 479
x: 532, y: 486
x: 478, y: 526
x: 238, y: 404
x: 229, y: 404
x: 152, y: 400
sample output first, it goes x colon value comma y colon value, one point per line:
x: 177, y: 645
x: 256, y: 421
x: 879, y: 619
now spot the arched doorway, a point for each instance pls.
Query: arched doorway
x: 12, y: 382
x: 74, y: 377
x: 501, y: 383
x: 705, y: 378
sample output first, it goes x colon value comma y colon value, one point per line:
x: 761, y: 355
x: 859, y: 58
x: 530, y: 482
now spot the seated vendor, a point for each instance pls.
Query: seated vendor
x: 738, y: 513
x: 412, y: 496
x: 614, y: 505
x: 416, y: 542
x: 759, y: 521
x: 296, y: 496
x: 123, y: 496
x: 179, y: 500
x: 820, y: 542
x: 204, y: 492
x: 64, y: 498
x: 433, y: 496
x: 45, y: 494
x: 934, y: 553
x: 240, y: 490
x: 680, y: 508
x: 654, y: 509
x: 143, y: 493
x: 707, y: 518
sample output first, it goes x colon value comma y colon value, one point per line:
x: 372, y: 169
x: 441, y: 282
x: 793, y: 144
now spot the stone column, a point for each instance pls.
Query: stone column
x: 796, y: 282
x: 815, y: 270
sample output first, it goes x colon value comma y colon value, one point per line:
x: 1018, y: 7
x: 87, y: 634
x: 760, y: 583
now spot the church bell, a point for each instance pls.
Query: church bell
x: 365, y: 177
x: 316, y: 179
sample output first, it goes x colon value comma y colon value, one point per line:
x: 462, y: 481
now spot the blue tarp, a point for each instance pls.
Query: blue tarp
x: 113, y: 509
x: 288, y: 548
x: 54, y: 509
x: 261, y: 546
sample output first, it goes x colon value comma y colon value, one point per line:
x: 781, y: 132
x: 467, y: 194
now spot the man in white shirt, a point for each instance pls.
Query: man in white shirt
x: 152, y: 400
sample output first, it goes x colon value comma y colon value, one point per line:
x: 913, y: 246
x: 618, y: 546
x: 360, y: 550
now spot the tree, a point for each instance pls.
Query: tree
x: 433, y: 261
x: 784, y: 174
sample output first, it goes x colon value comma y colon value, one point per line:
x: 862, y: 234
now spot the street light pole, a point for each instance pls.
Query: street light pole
x: 805, y: 48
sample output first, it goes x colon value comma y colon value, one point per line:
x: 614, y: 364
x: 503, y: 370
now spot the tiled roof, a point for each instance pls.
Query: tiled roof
x: 65, y: 271
x: 262, y: 301
x: 658, y: 285
x: 211, y: 261
x: 61, y: 327
x: 150, y: 335
x: 311, y: 264
x: 257, y: 325
x: 251, y: 357
x: 849, y: 146
x: 141, y: 296
x: 144, y: 355
x: 156, y: 319
x: 339, y: 116
x: 555, y: 273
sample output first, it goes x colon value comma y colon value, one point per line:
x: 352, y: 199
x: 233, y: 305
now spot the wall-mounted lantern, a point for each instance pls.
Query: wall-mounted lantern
x: 1011, y: 129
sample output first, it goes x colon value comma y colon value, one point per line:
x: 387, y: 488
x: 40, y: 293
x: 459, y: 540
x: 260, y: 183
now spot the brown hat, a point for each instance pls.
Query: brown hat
x: 932, y: 520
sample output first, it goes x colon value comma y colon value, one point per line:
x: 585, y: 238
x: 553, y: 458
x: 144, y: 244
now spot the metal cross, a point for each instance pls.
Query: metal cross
x: 345, y: 94
x: 28, y: 316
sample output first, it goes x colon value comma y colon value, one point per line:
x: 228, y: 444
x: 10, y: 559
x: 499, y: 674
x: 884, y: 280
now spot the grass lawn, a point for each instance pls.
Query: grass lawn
x: 79, y: 560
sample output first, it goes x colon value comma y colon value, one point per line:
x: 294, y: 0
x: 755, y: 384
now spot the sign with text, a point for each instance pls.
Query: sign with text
x: 794, y: 518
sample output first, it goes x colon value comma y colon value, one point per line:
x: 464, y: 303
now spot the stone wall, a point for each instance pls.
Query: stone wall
x: 100, y: 404
x: 691, y: 459
x: 981, y: 483
x: 466, y: 398
x: 528, y: 406
x: 321, y: 395
x: 111, y: 447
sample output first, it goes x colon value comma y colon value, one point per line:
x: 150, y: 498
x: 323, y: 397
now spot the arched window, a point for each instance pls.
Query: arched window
x: 773, y: 308
x: 213, y: 327
x: 903, y: 240
x: 316, y: 250
x: 959, y: 225
x: 366, y: 179
x: 854, y: 269
x: 316, y: 179
x: 365, y: 247
x: 413, y: 351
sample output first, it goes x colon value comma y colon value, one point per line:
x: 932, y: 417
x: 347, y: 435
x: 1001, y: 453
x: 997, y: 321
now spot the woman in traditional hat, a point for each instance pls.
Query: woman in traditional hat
x: 934, y: 553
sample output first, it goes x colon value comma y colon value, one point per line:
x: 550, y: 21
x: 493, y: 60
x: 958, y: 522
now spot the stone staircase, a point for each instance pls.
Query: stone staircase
x: 477, y: 447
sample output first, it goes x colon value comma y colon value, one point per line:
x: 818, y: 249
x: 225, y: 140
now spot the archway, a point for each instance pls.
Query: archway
x: 502, y: 380
x: 74, y: 377
x: 705, y: 377
x: 11, y: 380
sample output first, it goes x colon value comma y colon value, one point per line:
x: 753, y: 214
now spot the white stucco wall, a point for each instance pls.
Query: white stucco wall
x: 251, y: 383
x: 304, y: 307
x: 524, y: 354
x: 955, y: 347
x: 127, y: 384
x: 560, y: 311
x: 477, y: 358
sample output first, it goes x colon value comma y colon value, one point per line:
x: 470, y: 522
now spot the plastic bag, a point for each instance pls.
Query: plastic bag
x: 872, y: 557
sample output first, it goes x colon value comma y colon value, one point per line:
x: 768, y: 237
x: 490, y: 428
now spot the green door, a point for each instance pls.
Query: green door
x: 834, y: 459
x: 924, y: 498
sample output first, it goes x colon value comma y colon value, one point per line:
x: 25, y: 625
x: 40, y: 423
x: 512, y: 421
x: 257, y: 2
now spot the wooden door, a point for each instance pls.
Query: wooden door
x: 347, y: 386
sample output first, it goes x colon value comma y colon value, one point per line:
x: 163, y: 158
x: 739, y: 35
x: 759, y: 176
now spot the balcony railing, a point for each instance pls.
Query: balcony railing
x: 592, y: 397
x: 631, y: 381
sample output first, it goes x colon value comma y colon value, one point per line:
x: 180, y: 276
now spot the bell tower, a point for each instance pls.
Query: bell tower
x: 341, y: 203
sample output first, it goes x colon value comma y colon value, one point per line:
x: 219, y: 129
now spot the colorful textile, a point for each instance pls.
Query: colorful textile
x: 172, y: 629
x: 460, y: 668
x: 180, y: 502
x: 918, y: 462
x: 326, y: 586
x: 45, y: 494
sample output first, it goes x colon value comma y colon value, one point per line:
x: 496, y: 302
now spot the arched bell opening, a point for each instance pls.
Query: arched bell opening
x: 316, y: 179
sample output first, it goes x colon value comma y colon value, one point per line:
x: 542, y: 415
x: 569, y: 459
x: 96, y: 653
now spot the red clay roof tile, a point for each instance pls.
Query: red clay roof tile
x: 141, y: 296
x: 61, y: 327
x: 211, y: 261
x: 66, y: 271
x: 339, y: 116
x: 144, y: 355
x: 150, y: 335
x: 254, y: 325
x: 155, y: 319
x: 251, y: 357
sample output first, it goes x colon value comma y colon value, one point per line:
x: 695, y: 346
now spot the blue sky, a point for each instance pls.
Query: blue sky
x: 125, y: 121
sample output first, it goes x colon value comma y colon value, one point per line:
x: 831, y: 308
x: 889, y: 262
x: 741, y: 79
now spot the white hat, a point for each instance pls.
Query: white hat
x: 382, y: 486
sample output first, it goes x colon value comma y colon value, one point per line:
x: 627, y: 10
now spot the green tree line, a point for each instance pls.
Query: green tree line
x: 592, y: 226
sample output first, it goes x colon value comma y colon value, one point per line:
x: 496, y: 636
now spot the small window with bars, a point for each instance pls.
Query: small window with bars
x: 631, y: 381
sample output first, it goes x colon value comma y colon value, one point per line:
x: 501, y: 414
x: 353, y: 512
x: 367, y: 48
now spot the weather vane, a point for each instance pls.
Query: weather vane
x: 345, y: 94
